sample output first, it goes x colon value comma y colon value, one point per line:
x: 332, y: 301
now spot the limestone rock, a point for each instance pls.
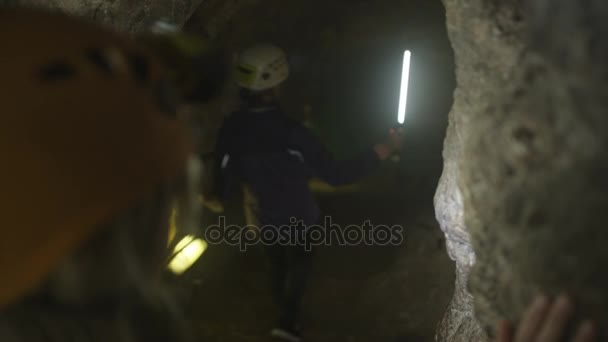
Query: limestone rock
x: 458, y: 324
x: 124, y: 15
x: 525, y: 175
x: 486, y: 42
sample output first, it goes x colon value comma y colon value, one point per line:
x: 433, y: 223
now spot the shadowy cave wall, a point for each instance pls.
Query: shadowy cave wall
x: 523, y: 195
x: 123, y: 15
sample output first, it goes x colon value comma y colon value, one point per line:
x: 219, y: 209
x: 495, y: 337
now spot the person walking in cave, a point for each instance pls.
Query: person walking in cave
x: 272, y: 157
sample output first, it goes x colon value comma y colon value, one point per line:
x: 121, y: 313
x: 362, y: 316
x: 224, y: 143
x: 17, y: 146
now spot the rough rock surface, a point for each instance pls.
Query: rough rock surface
x: 485, y: 54
x: 124, y: 15
x: 524, y: 182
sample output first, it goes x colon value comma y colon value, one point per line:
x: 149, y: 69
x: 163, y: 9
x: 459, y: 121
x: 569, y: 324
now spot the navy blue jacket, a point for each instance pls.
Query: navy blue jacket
x: 276, y: 157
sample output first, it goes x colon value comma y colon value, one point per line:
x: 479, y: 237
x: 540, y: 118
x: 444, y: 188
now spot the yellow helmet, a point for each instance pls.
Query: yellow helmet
x: 84, y: 135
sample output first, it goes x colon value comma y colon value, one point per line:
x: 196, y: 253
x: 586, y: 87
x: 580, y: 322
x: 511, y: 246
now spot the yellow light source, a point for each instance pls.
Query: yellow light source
x: 186, y: 253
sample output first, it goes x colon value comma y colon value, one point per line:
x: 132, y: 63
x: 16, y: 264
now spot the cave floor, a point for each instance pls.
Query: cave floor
x: 360, y: 293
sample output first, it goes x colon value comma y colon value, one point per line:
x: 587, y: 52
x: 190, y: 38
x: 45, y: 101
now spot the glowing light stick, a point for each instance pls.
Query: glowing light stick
x: 405, y: 79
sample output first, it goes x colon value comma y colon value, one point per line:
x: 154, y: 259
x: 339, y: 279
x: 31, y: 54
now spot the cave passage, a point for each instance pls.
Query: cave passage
x: 482, y: 209
x: 346, y: 63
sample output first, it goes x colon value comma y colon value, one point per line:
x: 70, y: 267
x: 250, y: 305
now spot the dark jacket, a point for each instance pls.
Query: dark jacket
x: 275, y: 157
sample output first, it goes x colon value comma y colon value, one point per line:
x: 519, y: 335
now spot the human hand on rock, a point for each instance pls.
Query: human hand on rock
x: 547, y: 321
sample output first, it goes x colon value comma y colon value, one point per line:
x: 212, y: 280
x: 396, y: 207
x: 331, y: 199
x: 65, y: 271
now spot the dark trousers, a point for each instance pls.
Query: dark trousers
x: 290, y: 270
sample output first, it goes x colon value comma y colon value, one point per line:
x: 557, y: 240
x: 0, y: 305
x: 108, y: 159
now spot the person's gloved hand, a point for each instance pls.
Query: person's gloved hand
x: 546, y: 321
x: 391, y: 145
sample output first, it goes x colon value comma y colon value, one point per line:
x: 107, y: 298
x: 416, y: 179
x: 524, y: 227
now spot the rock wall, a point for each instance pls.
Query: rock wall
x: 523, y: 195
x: 124, y: 15
x: 485, y: 52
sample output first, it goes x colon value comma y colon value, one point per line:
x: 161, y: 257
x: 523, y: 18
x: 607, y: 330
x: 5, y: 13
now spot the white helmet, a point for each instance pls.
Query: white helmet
x: 262, y: 67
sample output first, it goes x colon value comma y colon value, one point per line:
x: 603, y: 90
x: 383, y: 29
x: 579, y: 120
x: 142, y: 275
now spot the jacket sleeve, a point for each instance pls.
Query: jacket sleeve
x: 221, y: 151
x: 324, y: 165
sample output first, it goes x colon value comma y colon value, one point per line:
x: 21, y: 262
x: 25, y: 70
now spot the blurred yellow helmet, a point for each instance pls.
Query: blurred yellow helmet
x: 84, y: 135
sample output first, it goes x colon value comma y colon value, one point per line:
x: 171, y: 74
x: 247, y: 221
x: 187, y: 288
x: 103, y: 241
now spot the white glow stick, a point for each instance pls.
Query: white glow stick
x: 405, y: 79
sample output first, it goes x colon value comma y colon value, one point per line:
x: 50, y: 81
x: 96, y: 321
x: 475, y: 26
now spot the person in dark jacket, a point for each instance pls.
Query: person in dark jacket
x: 274, y: 157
